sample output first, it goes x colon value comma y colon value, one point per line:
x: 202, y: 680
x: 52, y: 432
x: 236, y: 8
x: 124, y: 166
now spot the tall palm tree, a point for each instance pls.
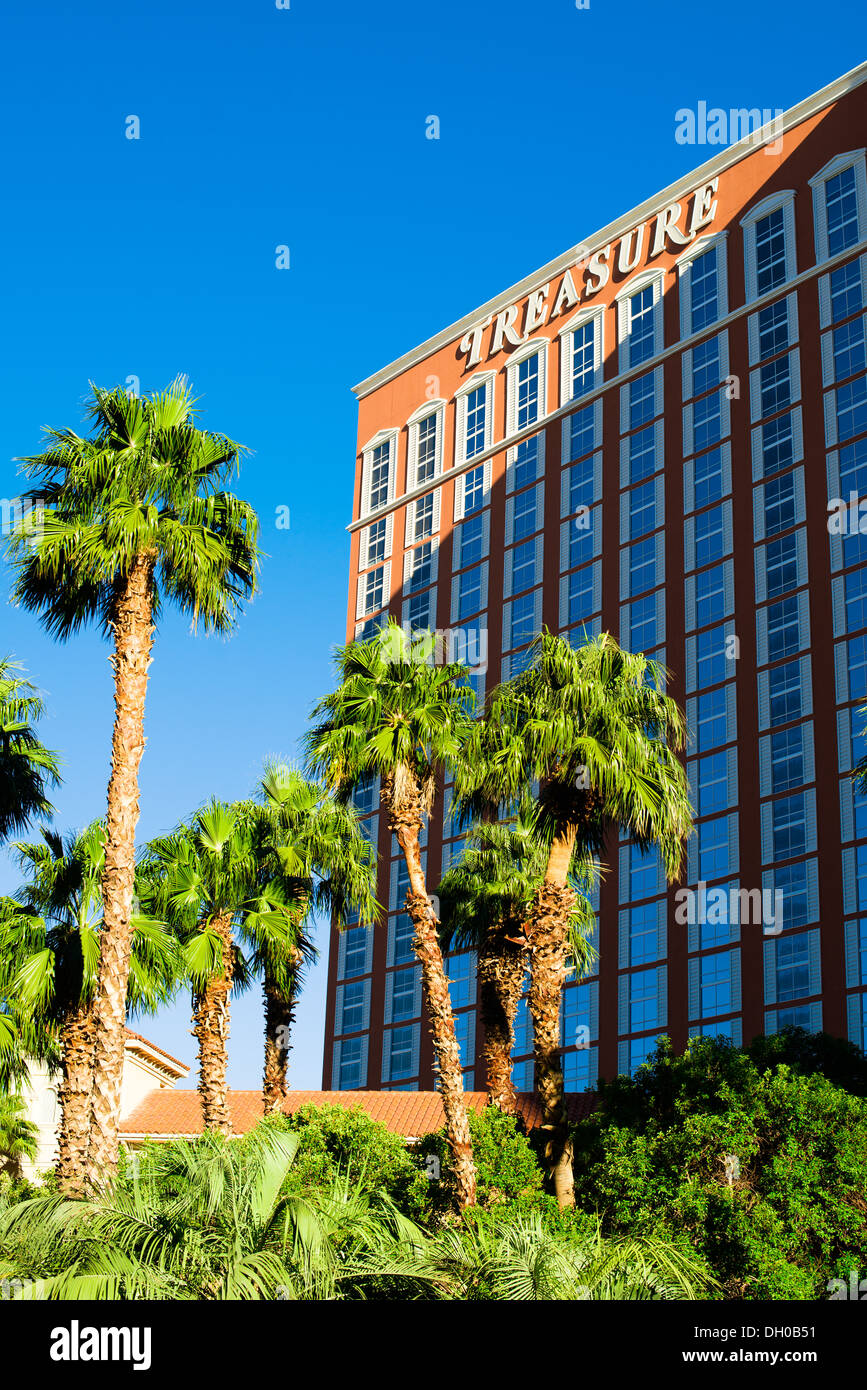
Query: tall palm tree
x: 27, y: 768
x: 204, y: 881
x: 130, y: 516
x: 49, y: 939
x: 485, y: 901
x: 398, y: 715
x: 592, y: 726
x: 313, y: 845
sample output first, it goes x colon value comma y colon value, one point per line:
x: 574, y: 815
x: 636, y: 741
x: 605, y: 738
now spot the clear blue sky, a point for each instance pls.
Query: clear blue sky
x: 306, y: 127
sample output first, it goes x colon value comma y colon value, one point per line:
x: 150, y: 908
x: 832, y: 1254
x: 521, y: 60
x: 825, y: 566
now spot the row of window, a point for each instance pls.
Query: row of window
x: 840, y: 199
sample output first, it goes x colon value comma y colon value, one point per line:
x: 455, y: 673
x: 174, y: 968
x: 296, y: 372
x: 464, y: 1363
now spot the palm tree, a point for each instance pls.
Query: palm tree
x: 204, y: 880
x: 131, y: 516
x: 214, y: 1220
x: 592, y: 726
x: 22, y: 1039
x: 27, y: 768
x: 19, y: 1136
x: 485, y: 901
x: 49, y: 939
x: 519, y: 1258
x: 313, y: 846
x: 398, y: 715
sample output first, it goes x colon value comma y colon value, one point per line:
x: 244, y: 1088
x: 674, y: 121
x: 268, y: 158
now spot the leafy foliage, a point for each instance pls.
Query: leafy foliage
x: 27, y: 767
x: 591, y: 725
x: 145, y: 481
x: 396, y: 713
x: 523, y: 1258
x: 507, y: 1169
x: 212, y: 1219
x: 253, y: 1219
x: 336, y: 1142
x: 19, y: 1136
x: 651, y: 1160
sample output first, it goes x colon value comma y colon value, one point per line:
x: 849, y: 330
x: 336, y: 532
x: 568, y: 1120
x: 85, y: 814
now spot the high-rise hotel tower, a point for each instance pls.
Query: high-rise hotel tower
x: 654, y: 435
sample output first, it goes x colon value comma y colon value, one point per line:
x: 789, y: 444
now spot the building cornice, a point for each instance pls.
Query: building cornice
x: 651, y: 206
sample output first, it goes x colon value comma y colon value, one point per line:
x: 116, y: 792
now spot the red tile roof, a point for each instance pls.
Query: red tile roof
x: 167, y: 1113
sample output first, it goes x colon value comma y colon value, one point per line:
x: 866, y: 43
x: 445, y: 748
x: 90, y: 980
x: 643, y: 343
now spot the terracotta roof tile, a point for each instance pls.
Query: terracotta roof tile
x: 178, y: 1112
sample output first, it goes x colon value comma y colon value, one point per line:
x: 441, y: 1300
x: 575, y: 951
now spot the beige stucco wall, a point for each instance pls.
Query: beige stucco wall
x: 140, y: 1077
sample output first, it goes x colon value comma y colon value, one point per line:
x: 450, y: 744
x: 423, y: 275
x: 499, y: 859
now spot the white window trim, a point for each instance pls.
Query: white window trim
x: 461, y: 485
x: 684, y: 278
x: 596, y: 316
x: 478, y: 379
x: 785, y: 199
x: 791, y: 302
x: 435, y: 407
x: 528, y: 349
x: 361, y: 612
x: 409, y: 536
x: 409, y: 560
x: 848, y: 160
x: 364, y: 560
x: 656, y: 278
x: 381, y: 437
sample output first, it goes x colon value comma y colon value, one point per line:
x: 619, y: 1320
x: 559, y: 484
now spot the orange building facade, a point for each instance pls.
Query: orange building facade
x: 661, y: 434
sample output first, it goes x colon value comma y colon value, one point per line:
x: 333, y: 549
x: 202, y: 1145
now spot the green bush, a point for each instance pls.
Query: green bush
x: 336, y: 1141
x: 508, y: 1176
x: 652, y: 1160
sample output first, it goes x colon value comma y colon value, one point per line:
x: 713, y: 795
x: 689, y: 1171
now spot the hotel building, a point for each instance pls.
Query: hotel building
x: 645, y: 437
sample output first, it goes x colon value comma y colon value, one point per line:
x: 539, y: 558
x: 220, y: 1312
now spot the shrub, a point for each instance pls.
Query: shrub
x: 508, y: 1176
x: 337, y: 1141
x: 652, y: 1160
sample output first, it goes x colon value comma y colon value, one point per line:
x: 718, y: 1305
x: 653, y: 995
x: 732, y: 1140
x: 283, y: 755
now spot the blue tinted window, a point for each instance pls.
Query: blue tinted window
x: 785, y: 693
x: 708, y: 478
x: 712, y: 665
x: 711, y: 724
x: 841, y: 206
x: 643, y: 1001
x: 773, y: 328
x: 784, y: 629
x: 847, y: 295
x: 770, y: 251
x: 780, y: 504
x: 704, y: 291
x: 582, y: 432
x: 787, y: 758
x: 712, y: 792
x: 851, y: 402
x: 710, y: 596
x: 642, y: 509
x: 716, y: 984
x: 778, y: 448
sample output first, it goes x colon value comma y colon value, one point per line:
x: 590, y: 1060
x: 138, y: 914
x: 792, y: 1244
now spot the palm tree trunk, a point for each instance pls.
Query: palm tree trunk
x: 548, y: 931
x: 211, y: 1027
x: 74, y: 1098
x: 439, y: 1009
x: 279, y: 1017
x: 133, y: 637
x: 501, y: 983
